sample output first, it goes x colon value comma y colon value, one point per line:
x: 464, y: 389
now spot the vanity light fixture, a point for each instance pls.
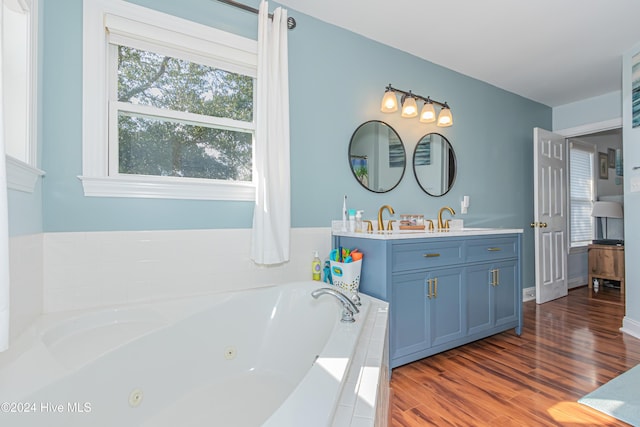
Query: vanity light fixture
x: 444, y: 118
x: 410, y: 107
x: 428, y: 113
x: 389, y: 102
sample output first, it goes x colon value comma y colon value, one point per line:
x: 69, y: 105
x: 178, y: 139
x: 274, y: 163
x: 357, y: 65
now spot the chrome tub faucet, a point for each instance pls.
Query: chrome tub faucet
x: 348, y: 307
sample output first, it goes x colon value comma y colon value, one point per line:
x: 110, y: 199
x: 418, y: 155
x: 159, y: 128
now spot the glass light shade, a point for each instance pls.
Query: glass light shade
x: 389, y: 102
x: 409, y: 107
x: 428, y: 113
x: 444, y: 118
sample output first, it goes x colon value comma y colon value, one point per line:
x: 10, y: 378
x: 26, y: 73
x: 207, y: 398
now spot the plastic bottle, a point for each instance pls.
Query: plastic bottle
x: 359, y: 221
x: 316, y: 267
x: 352, y: 220
x: 344, y: 213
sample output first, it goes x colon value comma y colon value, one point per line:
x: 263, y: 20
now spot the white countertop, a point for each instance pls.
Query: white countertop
x: 422, y: 234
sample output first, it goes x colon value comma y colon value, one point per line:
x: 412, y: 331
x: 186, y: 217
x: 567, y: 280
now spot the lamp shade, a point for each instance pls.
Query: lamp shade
x: 602, y: 209
x: 409, y: 107
x: 428, y: 113
x: 444, y: 118
x: 389, y: 102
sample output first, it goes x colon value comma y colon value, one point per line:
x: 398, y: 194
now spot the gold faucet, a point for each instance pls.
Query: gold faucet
x: 430, y: 222
x: 442, y: 225
x: 380, y: 222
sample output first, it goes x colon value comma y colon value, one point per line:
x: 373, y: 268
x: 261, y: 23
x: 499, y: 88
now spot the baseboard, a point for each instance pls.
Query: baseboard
x: 576, y: 282
x: 631, y: 327
x: 529, y: 294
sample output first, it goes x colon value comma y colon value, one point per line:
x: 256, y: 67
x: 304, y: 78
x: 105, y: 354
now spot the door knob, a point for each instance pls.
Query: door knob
x: 543, y: 224
x: 533, y: 224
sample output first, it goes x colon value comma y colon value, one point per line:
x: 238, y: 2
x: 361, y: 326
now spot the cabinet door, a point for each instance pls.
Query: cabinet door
x: 445, y: 319
x: 506, y: 293
x: 408, y: 315
x: 479, y: 298
x: 491, y: 295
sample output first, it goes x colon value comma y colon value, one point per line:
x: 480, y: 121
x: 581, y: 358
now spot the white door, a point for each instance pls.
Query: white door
x: 550, y: 214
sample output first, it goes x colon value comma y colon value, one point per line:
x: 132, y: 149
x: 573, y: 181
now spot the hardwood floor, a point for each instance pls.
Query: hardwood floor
x: 568, y: 348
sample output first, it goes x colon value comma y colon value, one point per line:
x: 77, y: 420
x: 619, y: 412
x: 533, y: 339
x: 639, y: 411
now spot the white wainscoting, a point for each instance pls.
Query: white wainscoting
x: 93, y: 269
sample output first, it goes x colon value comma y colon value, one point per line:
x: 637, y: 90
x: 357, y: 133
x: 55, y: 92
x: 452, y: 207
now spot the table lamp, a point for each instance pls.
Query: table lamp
x: 606, y: 210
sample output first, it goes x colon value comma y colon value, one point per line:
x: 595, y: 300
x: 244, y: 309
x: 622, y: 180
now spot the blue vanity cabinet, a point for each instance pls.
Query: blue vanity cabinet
x: 411, y: 332
x: 492, y: 296
x: 446, y: 320
x: 430, y: 314
x: 442, y: 291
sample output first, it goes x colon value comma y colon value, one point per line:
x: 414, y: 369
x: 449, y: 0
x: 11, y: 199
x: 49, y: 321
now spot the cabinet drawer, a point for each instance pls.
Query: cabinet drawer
x: 411, y: 256
x: 492, y: 249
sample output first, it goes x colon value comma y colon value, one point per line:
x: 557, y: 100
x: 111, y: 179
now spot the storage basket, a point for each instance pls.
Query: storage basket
x: 346, y: 275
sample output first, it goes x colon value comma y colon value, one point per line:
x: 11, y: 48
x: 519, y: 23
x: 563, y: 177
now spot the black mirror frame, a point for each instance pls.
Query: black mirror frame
x: 452, y: 159
x: 404, y: 149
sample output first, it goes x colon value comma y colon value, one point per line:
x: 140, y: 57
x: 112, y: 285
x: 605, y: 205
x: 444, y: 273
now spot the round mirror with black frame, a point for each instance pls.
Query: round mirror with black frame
x: 377, y: 156
x: 434, y: 164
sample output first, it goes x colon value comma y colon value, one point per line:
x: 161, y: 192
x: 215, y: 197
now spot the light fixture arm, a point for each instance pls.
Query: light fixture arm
x: 416, y: 96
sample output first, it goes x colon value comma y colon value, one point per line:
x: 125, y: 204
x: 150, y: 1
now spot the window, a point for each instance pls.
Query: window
x: 175, y: 118
x: 19, y: 35
x: 581, y: 177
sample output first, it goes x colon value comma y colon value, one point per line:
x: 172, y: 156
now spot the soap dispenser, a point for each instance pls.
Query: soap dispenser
x: 352, y: 220
x: 359, y: 221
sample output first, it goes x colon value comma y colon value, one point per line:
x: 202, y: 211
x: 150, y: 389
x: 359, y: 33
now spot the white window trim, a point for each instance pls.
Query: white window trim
x: 95, y: 154
x: 23, y: 176
x: 590, y: 148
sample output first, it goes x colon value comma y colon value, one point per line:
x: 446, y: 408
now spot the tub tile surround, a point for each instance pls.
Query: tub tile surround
x: 364, y: 401
x: 96, y: 269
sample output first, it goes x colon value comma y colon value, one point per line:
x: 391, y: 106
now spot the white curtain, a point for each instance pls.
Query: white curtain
x: 4, y: 220
x: 272, y: 211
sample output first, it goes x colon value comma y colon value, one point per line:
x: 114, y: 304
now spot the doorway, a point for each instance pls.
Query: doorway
x: 601, y: 136
x: 606, y: 187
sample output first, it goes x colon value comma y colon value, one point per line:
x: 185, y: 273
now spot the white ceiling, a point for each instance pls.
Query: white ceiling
x: 551, y: 51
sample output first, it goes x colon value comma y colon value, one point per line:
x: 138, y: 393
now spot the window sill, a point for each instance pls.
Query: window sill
x: 166, y: 188
x: 21, y: 176
x: 582, y: 249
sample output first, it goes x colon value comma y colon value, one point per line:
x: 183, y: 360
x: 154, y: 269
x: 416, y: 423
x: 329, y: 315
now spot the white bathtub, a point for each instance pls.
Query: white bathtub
x: 272, y: 356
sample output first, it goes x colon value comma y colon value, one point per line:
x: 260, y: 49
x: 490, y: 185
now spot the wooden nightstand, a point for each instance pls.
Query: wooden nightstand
x: 606, y: 262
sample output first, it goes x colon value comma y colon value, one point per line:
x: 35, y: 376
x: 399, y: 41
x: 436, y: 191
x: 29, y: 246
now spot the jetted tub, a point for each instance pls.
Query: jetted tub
x: 272, y: 356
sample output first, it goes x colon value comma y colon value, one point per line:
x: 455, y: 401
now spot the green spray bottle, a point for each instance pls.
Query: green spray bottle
x: 316, y: 267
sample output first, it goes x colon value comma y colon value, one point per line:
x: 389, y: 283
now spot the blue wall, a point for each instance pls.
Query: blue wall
x: 337, y: 79
x: 587, y: 111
